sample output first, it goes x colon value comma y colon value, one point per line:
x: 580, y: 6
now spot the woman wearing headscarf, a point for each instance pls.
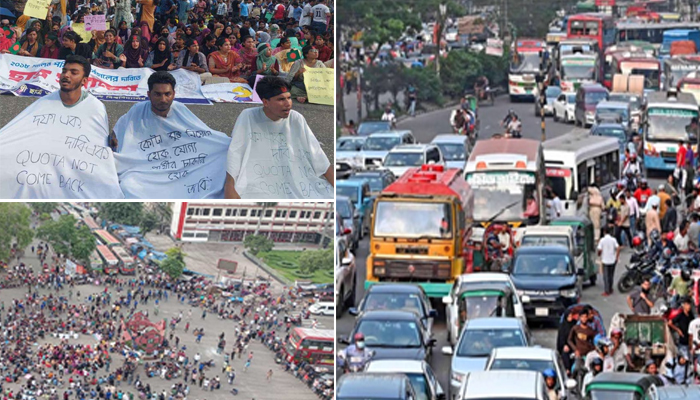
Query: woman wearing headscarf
x: 267, y: 65
x: 249, y: 56
x: 203, y: 36
x: 274, y: 32
x: 281, y: 52
x: 51, y: 49
x: 225, y: 62
x: 124, y: 33
x: 189, y: 33
x: 108, y: 54
x: 72, y: 46
x: 21, y: 22
x: 296, y: 74
x: 31, y: 46
x: 263, y: 37
x: 161, y: 59
x: 193, y: 60
x: 98, y: 39
x: 136, y: 54
x: 62, y: 32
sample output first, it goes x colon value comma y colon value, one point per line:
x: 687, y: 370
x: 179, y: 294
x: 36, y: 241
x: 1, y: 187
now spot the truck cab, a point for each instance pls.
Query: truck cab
x: 551, y: 235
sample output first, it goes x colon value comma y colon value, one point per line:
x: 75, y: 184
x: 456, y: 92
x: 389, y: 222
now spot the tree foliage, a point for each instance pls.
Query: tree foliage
x: 67, y: 239
x: 174, y: 263
x: 462, y: 68
x: 41, y: 208
x: 16, y: 228
x: 311, y: 261
x: 121, y: 213
x: 257, y: 243
x: 149, y: 220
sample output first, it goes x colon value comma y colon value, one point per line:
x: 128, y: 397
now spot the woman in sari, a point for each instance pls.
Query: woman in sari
x: 267, y: 65
x: 135, y: 53
x: 249, y: 56
x: 296, y: 74
x: 31, y: 46
x: 281, y: 52
x: 226, y: 63
x: 161, y: 59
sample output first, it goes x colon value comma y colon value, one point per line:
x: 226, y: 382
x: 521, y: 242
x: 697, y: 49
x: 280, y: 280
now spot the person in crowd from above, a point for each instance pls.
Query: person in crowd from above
x: 249, y: 56
x: 135, y: 55
x: 266, y: 64
x: 31, y: 46
x: 51, y: 49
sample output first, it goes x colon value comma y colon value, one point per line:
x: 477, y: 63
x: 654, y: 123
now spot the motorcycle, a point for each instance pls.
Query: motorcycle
x: 486, y: 94
x: 354, y: 363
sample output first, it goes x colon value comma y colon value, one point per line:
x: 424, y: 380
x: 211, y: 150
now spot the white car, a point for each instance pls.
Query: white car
x: 402, y: 158
x: 418, y: 372
x: 454, y: 148
x: 347, y: 148
x: 535, y: 359
x: 344, y: 276
x: 378, y: 145
x: 564, y: 107
x: 464, y: 281
x: 326, y: 308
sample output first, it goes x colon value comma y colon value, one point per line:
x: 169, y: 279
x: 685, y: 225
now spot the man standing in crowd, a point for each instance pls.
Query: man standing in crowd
x: 609, y: 253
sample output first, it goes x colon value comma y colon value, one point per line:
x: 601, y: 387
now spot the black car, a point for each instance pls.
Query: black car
x: 398, y: 296
x: 546, y: 280
x: 363, y: 385
x: 393, y: 335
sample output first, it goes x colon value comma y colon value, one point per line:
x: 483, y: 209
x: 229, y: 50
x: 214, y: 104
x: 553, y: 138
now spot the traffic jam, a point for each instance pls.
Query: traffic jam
x: 508, y: 266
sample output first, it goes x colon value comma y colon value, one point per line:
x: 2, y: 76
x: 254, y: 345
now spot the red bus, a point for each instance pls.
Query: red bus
x: 638, y: 64
x: 90, y: 223
x: 600, y: 27
x: 126, y: 262
x: 111, y: 262
x: 315, y: 346
x: 106, y: 238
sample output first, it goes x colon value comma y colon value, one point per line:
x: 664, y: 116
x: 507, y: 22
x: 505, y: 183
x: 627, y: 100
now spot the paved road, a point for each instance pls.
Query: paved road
x: 424, y: 128
x: 218, y: 116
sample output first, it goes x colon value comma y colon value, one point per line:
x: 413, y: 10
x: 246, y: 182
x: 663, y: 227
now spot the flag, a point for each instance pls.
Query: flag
x: 293, y: 55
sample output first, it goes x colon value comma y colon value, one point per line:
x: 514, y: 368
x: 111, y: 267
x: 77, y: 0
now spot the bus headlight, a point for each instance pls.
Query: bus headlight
x: 379, y: 270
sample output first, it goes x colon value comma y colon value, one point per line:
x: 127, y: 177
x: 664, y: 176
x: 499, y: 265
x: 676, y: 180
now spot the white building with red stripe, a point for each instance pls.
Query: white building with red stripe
x: 230, y: 222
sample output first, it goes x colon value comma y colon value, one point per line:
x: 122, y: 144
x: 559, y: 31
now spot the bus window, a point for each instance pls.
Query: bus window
x: 582, y: 175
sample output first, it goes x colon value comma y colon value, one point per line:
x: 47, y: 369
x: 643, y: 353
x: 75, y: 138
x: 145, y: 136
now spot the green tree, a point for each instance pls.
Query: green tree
x: 15, y: 220
x: 68, y: 239
x: 257, y: 243
x: 174, y: 263
x: 149, y: 221
x: 121, y: 213
x: 311, y: 261
x: 265, y: 206
x: 45, y: 217
x: 42, y: 208
x: 83, y: 244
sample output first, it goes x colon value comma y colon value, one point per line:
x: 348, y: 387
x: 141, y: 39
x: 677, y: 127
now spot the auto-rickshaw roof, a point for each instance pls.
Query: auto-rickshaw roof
x: 484, y: 289
x: 642, y: 381
x: 572, y: 220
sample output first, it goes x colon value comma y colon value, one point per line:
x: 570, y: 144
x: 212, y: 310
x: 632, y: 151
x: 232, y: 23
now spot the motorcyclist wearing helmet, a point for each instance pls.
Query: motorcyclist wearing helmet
x: 550, y: 379
x: 642, y: 193
x: 356, y: 356
x: 601, y: 351
x: 480, y: 86
x: 669, y: 248
x: 596, y: 368
x: 678, y: 370
x: 508, y: 118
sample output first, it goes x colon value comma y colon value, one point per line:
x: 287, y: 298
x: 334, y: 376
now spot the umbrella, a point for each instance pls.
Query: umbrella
x: 7, y: 13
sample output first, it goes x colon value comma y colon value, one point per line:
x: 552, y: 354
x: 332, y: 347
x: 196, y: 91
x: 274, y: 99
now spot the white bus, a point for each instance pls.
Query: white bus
x: 576, y: 160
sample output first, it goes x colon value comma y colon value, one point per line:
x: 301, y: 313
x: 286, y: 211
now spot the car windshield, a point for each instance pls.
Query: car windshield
x: 670, y: 124
x: 350, y: 192
x: 542, y: 264
x: 523, y: 365
x: 381, y: 143
x: 479, y: 307
x: 544, y: 240
x: 376, y: 183
x: 617, y: 133
x: 599, y: 394
x: 403, y: 159
x: 420, y: 386
x: 350, y: 144
x: 415, y: 220
x: 634, y: 101
x: 525, y: 63
x: 613, y: 113
x: 480, y: 342
x: 651, y: 75
x: 394, y: 301
x: 343, y: 208
x: 596, y: 97
x: 571, y: 98
x: 453, y: 151
x: 501, y: 190
x: 552, y: 92
x: 390, y: 333
x: 367, y: 128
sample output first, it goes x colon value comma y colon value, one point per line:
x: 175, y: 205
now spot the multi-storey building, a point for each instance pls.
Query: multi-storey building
x: 231, y: 222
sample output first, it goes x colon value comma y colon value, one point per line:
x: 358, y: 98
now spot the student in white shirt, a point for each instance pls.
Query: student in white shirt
x: 609, y: 253
x: 306, y: 14
x: 274, y: 154
x: 319, y: 22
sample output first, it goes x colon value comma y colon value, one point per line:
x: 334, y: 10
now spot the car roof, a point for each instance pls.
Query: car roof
x: 613, y: 104
x: 353, y: 138
x: 542, y: 250
x: 389, y: 134
x: 485, y: 277
x: 394, y: 288
x: 610, y: 125
x: 397, y: 366
x: 370, y: 385
x: 508, y: 383
x: 523, y: 353
x: 448, y: 138
x: 411, y: 148
x: 554, y: 229
x: 494, y: 322
x: 393, y: 315
x: 352, y: 182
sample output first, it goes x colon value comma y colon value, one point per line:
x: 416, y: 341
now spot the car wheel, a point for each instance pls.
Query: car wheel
x: 554, y: 116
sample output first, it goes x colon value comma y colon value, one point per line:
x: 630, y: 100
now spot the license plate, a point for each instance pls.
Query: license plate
x: 541, y: 312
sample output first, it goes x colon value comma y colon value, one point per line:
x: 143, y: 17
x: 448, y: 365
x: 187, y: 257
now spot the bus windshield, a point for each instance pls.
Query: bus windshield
x: 413, y: 220
x: 670, y: 124
x: 650, y: 73
x: 571, y: 69
x: 496, y: 190
x: 525, y: 63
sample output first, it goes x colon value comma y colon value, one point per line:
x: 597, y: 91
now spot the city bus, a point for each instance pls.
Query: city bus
x: 525, y: 65
x: 106, y: 238
x: 576, y: 69
x: 638, y: 64
x: 96, y: 261
x: 652, y: 33
x: 665, y: 125
x: 600, y: 27
x: 576, y: 160
x: 90, y: 223
x: 503, y: 175
x: 690, y: 84
x: 636, y: 47
x: 314, y: 346
x: 419, y: 229
x: 126, y: 262
x: 109, y: 260
x: 677, y: 68
x: 676, y: 35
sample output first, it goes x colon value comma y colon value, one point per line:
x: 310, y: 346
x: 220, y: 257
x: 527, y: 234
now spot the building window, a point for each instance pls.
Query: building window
x: 254, y: 213
x: 328, y: 215
x: 317, y: 215
x: 303, y: 214
x: 190, y: 211
x: 188, y: 234
x: 217, y: 212
x: 268, y: 213
x: 244, y: 212
x: 235, y: 212
x: 280, y: 213
x: 292, y: 214
x: 228, y: 212
x: 206, y: 211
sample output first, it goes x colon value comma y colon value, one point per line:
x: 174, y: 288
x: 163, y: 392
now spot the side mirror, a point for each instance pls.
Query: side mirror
x: 353, y: 311
x: 525, y: 298
x: 447, y: 300
x: 570, y: 384
x: 446, y: 350
x: 432, y: 314
x: 343, y: 340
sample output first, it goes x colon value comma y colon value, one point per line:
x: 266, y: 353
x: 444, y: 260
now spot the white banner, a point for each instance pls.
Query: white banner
x: 178, y: 157
x: 30, y: 76
x: 229, y: 93
x: 494, y: 47
x: 70, y: 268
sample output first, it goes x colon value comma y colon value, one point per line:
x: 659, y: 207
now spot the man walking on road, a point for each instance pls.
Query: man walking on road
x: 609, y: 253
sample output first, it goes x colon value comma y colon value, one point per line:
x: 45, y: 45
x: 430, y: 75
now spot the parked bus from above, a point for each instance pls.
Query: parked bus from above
x: 127, y: 266
x: 635, y: 47
x: 109, y: 260
x: 677, y: 68
x: 106, y: 238
x: 629, y: 63
x: 313, y: 346
x: 96, y: 262
x: 90, y: 223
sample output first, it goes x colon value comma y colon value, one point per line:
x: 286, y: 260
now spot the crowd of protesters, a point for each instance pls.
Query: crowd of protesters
x: 40, y: 359
x: 221, y: 40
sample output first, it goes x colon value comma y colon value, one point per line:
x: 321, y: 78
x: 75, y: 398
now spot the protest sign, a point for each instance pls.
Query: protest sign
x: 229, y: 93
x: 494, y: 47
x: 178, y: 157
x: 257, y: 98
x: 80, y: 30
x: 95, y: 23
x: 30, y: 76
x: 50, y: 151
x: 37, y: 8
x: 320, y: 84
